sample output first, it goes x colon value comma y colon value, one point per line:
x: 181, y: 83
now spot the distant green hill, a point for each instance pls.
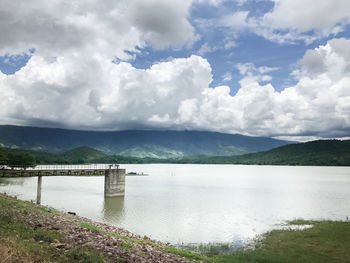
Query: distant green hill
x: 136, y: 143
x: 83, y: 154
x: 80, y: 155
x: 321, y: 152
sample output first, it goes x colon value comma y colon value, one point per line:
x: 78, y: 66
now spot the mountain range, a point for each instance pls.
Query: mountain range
x: 136, y: 143
x: 321, y: 152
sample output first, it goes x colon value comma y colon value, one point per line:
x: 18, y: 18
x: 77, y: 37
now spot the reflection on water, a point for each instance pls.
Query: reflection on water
x: 11, y: 181
x: 199, y: 203
x: 113, y: 209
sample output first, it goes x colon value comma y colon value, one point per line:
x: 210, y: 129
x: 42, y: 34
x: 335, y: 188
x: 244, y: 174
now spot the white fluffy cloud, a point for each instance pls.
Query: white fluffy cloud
x: 57, y: 28
x: 71, y: 72
x: 292, y: 20
x: 71, y: 81
x: 245, y: 68
x: 164, y: 23
x: 319, y: 104
x: 99, y: 94
x: 305, y: 15
x: 220, y: 2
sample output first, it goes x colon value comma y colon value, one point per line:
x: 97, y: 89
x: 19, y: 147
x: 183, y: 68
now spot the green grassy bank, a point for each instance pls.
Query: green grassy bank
x: 20, y: 241
x: 325, y: 241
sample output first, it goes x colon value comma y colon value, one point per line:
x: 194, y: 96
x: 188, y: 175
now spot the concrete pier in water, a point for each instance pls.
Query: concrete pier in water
x: 114, y: 181
x: 38, y: 190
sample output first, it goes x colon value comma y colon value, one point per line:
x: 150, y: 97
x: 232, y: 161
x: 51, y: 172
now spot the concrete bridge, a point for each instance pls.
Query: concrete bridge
x: 114, y: 177
x: 57, y: 170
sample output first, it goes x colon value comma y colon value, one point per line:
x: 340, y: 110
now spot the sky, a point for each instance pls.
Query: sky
x: 276, y: 68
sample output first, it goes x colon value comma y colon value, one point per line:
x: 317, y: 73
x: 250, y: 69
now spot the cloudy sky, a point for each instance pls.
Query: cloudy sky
x: 276, y: 68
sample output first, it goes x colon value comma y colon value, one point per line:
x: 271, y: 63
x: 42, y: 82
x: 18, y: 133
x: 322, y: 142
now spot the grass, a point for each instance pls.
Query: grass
x: 126, y: 246
x: 17, y: 235
x: 300, y: 221
x: 45, y: 235
x: 84, y: 255
x: 89, y: 226
x: 23, y: 206
x: 185, y: 253
x: 13, y: 251
x: 325, y: 241
x: 211, y: 249
x: 21, y: 243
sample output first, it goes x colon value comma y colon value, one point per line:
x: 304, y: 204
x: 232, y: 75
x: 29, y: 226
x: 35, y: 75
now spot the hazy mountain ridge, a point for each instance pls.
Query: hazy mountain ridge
x: 320, y: 152
x: 137, y: 143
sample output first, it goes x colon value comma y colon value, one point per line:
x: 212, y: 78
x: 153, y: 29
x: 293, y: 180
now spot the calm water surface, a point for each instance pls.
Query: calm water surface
x: 200, y: 203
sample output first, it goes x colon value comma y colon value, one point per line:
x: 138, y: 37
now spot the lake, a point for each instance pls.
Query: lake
x: 186, y: 203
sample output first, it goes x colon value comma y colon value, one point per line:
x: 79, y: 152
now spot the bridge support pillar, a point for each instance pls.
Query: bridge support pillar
x: 38, y: 190
x: 114, y: 182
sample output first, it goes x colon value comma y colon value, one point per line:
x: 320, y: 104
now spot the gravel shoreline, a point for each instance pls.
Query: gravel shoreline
x: 116, y: 244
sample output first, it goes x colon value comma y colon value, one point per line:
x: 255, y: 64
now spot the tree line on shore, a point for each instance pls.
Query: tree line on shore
x: 21, y: 159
